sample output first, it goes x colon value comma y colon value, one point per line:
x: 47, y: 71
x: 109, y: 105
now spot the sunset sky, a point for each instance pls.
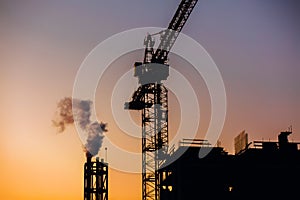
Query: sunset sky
x: 255, y: 45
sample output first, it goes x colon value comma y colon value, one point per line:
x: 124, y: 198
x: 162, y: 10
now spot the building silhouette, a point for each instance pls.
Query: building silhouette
x: 258, y: 170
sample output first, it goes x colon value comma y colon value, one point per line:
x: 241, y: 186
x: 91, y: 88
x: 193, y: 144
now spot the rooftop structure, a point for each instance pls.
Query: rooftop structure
x: 262, y: 170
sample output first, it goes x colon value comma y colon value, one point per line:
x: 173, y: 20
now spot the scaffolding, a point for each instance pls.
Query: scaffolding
x: 95, y: 179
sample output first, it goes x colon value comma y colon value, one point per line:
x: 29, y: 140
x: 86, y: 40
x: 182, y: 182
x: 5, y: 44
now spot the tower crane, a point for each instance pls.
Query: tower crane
x: 151, y: 98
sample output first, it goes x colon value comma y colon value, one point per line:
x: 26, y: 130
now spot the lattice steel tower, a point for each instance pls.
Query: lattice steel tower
x: 152, y: 99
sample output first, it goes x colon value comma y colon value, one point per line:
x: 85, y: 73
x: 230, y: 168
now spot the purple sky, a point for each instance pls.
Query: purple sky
x: 255, y: 45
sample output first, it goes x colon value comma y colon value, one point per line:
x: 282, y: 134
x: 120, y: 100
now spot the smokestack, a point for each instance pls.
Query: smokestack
x: 95, y: 178
x: 70, y: 111
x: 88, y: 157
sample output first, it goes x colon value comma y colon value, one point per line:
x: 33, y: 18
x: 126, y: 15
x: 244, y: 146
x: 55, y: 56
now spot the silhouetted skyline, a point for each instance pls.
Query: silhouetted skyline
x: 255, y: 45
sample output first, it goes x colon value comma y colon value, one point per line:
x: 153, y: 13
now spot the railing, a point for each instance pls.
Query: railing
x: 195, y: 143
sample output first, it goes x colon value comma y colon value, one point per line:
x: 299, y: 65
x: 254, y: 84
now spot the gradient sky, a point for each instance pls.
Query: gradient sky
x: 255, y: 45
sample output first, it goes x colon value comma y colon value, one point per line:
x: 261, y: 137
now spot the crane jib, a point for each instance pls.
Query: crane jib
x: 170, y: 35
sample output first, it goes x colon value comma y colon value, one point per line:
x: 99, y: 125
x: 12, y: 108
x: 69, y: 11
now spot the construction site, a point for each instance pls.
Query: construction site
x: 149, y: 100
x: 257, y: 170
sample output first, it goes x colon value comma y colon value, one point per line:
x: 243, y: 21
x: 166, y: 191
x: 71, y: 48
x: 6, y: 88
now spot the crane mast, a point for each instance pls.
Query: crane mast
x: 152, y: 99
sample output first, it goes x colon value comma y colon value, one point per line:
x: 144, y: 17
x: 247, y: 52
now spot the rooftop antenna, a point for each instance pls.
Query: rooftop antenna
x: 105, y: 154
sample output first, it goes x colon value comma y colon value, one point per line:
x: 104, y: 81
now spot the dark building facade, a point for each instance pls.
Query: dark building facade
x: 264, y: 170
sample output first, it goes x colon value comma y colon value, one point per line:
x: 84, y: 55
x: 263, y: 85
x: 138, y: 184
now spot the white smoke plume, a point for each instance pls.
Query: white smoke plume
x: 74, y: 110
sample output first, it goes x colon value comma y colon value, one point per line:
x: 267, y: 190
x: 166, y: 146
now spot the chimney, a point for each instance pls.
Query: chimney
x: 95, y: 179
x: 88, y: 157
